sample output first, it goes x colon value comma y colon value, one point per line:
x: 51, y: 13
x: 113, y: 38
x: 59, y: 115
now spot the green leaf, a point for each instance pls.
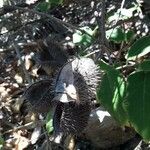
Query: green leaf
x: 111, y: 93
x: 87, y: 30
x: 83, y: 38
x: 127, y: 13
x: 86, y: 40
x: 49, y: 122
x: 124, y: 14
x: 117, y: 35
x: 106, y: 67
x: 145, y: 65
x: 43, y: 6
x: 47, y: 4
x: 129, y: 35
x: 137, y: 102
x: 140, y: 48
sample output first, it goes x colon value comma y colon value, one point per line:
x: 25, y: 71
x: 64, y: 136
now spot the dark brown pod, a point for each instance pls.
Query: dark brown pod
x: 74, y: 118
x: 90, y: 73
x: 75, y: 114
x: 50, y: 55
x: 39, y: 96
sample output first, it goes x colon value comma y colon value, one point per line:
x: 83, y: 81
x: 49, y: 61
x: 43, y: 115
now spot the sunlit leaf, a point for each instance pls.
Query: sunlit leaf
x: 117, y: 35
x: 83, y: 38
x: 86, y: 40
x: 137, y: 102
x: 127, y: 13
x: 87, y: 30
x: 122, y: 14
x: 1, y: 3
x: 49, y: 122
x: 140, y: 48
x: 111, y: 93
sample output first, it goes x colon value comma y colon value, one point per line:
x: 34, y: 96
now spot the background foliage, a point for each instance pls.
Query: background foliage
x: 115, y: 34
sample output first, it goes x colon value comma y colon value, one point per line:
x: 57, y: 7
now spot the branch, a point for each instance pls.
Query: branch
x: 8, y: 8
x: 134, y: 18
x: 20, y: 26
x: 102, y: 30
x: 54, y: 19
x: 29, y: 125
x: 101, y: 23
x: 28, y: 46
x: 122, y: 4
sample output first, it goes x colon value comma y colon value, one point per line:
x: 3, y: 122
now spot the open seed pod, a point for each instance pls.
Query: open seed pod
x: 65, y: 79
x: 71, y: 91
x: 39, y: 96
x: 75, y: 85
x: 75, y: 115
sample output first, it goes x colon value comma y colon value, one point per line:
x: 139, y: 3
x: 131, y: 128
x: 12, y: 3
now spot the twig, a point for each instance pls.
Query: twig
x: 54, y: 19
x: 102, y: 25
x: 7, y: 8
x: 122, y: 4
x: 48, y: 146
x: 125, y: 66
x: 102, y: 30
x: 29, y: 45
x: 123, y: 21
x: 96, y: 51
x: 28, y: 125
x: 22, y: 64
x: 20, y: 26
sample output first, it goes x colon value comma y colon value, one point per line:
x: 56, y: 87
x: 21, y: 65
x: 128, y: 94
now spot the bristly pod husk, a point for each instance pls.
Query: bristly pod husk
x: 75, y: 106
x: 89, y: 71
x: 39, y: 96
x: 72, y: 89
x: 75, y: 115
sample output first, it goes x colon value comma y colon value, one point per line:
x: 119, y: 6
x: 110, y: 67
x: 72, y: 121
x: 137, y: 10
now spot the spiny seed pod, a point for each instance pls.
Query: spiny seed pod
x: 39, y: 96
x: 50, y: 55
x: 75, y: 114
x: 85, y: 67
x: 72, y: 117
x: 74, y: 103
x: 89, y: 71
x: 72, y: 89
